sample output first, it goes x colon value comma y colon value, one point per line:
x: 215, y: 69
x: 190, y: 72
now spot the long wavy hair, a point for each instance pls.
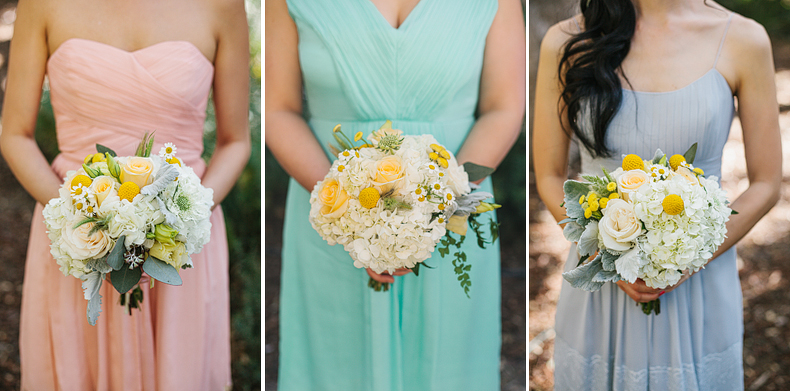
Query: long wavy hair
x: 588, y: 69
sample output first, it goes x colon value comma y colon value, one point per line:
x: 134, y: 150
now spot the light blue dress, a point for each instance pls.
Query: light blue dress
x: 424, y: 333
x: 603, y: 340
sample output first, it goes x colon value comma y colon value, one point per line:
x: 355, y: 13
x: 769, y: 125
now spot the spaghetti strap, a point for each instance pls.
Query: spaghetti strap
x: 721, y: 44
x: 577, y: 24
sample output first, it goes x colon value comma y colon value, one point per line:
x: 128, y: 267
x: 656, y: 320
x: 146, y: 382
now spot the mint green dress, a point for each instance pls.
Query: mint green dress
x: 424, y: 333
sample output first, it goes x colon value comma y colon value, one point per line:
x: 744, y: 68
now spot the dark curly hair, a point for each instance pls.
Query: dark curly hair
x: 588, y: 69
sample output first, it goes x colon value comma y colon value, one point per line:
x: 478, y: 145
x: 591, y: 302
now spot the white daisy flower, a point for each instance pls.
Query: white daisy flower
x: 168, y: 151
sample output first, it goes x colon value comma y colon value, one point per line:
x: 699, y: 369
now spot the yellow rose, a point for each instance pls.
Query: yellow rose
x: 174, y: 255
x: 334, y: 198
x: 137, y: 170
x: 630, y: 181
x: 103, y: 186
x: 686, y: 173
x: 388, y: 171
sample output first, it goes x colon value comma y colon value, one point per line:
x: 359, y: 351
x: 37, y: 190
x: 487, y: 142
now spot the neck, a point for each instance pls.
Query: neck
x: 662, y: 8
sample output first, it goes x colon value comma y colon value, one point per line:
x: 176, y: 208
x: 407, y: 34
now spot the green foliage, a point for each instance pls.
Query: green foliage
x: 161, y: 271
x: 774, y: 15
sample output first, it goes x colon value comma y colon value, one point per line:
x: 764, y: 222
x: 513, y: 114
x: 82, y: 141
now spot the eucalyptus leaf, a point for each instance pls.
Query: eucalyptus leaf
x: 102, y: 149
x: 125, y: 279
x: 477, y: 172
x: 582, y: 276
x: 115, y: 259
x: 691, y: 154
x: 161, y: 271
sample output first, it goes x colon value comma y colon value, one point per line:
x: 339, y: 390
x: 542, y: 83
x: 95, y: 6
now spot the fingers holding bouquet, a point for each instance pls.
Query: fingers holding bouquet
x: 649, y: 224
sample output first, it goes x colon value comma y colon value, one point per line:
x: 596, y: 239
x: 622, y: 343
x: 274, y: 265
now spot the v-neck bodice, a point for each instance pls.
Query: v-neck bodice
x: 425, y: 71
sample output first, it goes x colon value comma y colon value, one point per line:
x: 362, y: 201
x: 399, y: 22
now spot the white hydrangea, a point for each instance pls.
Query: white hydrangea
x: 381, y: 239
x: 674, y: 243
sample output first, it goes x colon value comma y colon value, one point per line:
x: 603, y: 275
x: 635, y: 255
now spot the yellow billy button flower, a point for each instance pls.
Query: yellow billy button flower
x: 603, y: 201
x: 358, y: 136
x: 675, y: 161
x: 174, y: 160
x: 81, y: 179
x: 672, y: 204
x: 128, y: 191
x: 633, y: 162
x: 437, y: 147
x: 611, y: 186
x: 98, y: 157
x: 581, y: 199
x: 699, y: 171
x: 442, y: 162
x: 613, y: 196
x: 594, y: 205
x: 592, y: 197
x: 443, y: 153
x: 433, y: 155
x: 587, y: 213
x: 369, y: 197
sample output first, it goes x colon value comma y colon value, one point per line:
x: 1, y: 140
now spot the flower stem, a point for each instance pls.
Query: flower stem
x: 378, y: 286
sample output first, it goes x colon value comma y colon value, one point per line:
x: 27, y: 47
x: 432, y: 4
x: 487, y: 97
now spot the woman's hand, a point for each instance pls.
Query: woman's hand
x: 639, y: 291
x: 386, y: 277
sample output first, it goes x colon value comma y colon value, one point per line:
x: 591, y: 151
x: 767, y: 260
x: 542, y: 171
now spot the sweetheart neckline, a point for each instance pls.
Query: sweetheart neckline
x: 132, y: 52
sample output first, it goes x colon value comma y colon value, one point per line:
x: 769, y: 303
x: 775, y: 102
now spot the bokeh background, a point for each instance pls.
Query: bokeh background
x: 242, y: 210
x: 762, y: 254
x: 510, y: 190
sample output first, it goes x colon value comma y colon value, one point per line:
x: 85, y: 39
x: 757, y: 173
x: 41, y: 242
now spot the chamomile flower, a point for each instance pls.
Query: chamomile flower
x: 168, y: 151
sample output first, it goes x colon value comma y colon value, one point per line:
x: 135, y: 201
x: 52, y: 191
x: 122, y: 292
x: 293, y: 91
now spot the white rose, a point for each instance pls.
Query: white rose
x: 630, y: 181
x: 457, y: 178
x: 619, y: 227
x: 79, y: 245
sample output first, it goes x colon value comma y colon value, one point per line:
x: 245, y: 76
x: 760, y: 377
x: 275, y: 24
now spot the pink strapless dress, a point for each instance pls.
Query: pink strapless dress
x: 180, y: 337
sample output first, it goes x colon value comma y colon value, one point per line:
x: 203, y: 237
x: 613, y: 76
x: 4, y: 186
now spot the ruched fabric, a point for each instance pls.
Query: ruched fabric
x: 180, y: 337
x: 423, y: 334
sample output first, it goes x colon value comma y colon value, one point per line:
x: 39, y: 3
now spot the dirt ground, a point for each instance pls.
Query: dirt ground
x: 762, y: 256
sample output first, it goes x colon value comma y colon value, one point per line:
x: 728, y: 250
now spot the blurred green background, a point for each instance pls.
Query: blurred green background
x: 242, y: 209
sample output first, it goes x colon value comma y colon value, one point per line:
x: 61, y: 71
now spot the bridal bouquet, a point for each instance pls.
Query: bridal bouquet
x: 390, y: 200
x: 649, y: 219
x: 122, y: 216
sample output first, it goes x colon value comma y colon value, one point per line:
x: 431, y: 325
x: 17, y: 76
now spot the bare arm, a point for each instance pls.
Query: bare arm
x: 287, y: 134
x: 549, y: 141
x: 28, y: 57
x: 759, y: 114
x: 502, y: 92
x: 231, y: 100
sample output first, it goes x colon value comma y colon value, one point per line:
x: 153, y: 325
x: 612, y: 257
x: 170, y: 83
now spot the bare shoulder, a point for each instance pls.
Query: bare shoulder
x: 558, y: 34
x: 228, y: 11
x: 748, y: 38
